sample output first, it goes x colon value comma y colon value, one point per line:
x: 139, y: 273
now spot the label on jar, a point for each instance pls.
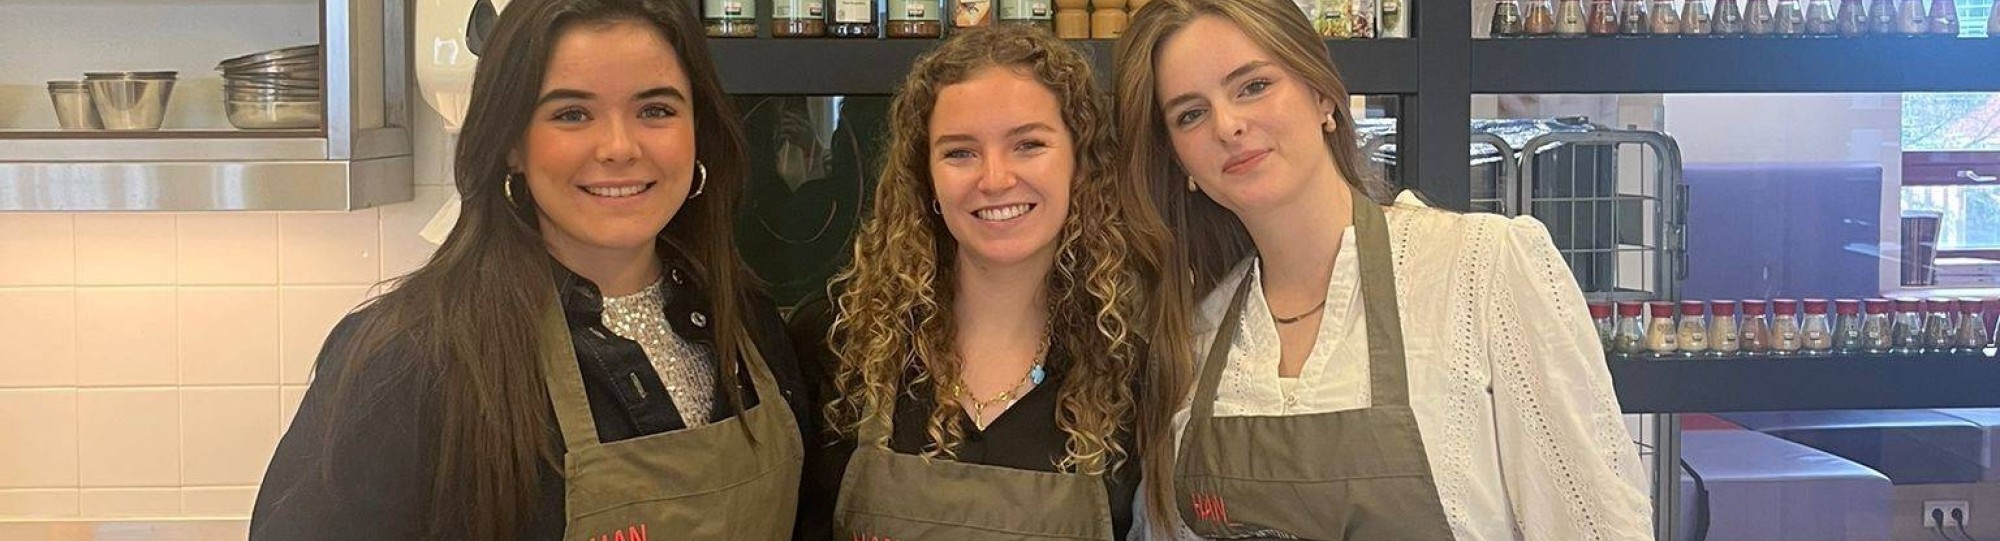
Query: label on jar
x: 853, y: 11
x: 913, y: 10
x: 729, y: 9
x: 971, y: 13
x: 798, y: 9
x: 1025, y: 10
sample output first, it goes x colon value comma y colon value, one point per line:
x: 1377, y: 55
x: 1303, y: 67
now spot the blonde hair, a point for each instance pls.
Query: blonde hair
x: 893, y: 331
x: 1208, y: 238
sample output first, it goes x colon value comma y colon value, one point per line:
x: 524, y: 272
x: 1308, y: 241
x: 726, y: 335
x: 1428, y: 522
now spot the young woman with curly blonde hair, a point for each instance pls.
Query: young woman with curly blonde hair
x: 990, y: 345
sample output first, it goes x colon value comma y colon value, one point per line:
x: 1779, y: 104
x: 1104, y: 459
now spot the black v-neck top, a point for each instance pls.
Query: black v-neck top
x: 1023, y: 437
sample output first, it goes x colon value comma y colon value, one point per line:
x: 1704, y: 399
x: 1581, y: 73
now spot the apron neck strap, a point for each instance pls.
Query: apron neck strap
x: 1388, y: 380
x: 564, y: 380
x: 1387, y: 369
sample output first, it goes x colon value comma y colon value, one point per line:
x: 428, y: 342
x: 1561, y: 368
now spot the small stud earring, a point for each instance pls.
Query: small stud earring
x: 1192, y: 188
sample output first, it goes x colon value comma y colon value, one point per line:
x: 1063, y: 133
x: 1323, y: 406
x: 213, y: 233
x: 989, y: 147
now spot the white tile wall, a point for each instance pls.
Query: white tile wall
x: 227, y: 434
x: 41, y: 447
x: 129, y: 437
x: 229, y: 335
x: 149, y: 362
x: 125, y: 249
x: 38, y: 327
x: 130, y: 502
x: 127, y: 336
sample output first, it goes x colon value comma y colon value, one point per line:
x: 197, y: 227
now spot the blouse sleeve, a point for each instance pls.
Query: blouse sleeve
x: 1570, y: 469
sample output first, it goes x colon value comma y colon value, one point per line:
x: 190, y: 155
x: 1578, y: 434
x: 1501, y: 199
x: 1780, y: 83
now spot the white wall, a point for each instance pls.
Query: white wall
x: 150, y: 361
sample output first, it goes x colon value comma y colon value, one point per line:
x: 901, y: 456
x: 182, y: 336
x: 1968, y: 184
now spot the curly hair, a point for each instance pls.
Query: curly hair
x: 893, y: 333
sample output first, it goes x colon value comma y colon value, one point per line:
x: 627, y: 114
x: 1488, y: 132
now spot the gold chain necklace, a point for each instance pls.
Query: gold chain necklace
x: 1033, y: 377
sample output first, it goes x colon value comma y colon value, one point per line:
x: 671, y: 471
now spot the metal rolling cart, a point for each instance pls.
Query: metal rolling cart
x: 1616, y: 207
x: 1494, y: 170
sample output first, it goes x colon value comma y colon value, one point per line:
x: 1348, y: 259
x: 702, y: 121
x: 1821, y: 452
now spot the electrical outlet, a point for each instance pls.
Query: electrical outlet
x: 1947, y: 506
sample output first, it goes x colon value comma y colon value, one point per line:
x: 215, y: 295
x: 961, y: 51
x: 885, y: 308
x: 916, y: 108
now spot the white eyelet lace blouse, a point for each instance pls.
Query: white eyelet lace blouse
x: 1487, y: 303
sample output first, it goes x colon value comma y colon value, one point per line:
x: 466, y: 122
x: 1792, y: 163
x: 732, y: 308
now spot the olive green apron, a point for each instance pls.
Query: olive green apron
x: 706, y: 482
x: 1357, y: 474
x: 889, y: 496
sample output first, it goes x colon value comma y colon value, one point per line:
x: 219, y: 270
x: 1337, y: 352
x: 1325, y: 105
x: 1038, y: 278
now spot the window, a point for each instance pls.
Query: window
x: 1951, y: 164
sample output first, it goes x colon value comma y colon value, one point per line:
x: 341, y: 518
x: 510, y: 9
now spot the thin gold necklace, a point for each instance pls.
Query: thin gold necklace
x: 1295, y: 319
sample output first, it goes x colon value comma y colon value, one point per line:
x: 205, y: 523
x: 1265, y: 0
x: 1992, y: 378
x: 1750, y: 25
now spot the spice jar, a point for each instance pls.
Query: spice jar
x: 915, y: 19
x: 1756, y: 329
x: 1847, y: 336
x: 1819, y: 17
x: 1541, y: 19
x: 1723, y: 334
x: 1028, y: 12
x: 1939, y: 327
x: 1910, y: 18
x: 729, y: 18
x: 1662, y: 339
x: 1908, y: 332
x: 1787, y: 19
x: 1816, y: 330
x: 854, y: 19
x: 1108, y: 20
x: 1787, y: 335
x: 1630, y: 338
x: 1602, y: 20
x: 798, y: 18
x: 971, y: 13
x: 1944, y: 18
x: 1665, y: 19
x: 1507, y: 21
x: 1757, y: 17
x: 1694, y: 18
x: 1728, y: 18
x: 1852, y: 20
x: 1882, y: 18
x: 1972, y: 332
x: 1632, y: 17
x: 1877, y: 327
x: 1569, y: 18
x: 1607, y: 326
x: 1073, y: 19
x: 1693, y: 329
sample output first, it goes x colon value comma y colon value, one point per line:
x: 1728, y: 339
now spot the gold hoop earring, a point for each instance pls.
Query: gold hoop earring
x: 937, y: 207
x: 701, y: 179
x: 507, y: 189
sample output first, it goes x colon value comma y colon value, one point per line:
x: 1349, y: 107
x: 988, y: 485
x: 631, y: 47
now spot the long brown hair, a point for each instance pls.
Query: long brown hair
x: 1208, y: 238
x: 471, y: 314
x: 893, y: 331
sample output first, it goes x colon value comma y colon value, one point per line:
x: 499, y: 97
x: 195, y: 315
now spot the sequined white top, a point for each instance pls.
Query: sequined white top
x: 684, y: 368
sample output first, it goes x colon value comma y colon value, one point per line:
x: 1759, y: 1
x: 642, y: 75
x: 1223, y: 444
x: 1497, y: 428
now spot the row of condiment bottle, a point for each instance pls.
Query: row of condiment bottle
x: 1568, y: 18
x: 921, y: 19
x: 1871, y: 327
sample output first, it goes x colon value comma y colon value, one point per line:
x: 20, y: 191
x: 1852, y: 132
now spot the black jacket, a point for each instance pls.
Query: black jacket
x: 380, y: 485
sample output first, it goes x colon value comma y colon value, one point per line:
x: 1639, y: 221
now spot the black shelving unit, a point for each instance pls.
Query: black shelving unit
x: 824, y: 66
x: 1433, y: 77
x: 1805, y: 383
x: 1733, y: 64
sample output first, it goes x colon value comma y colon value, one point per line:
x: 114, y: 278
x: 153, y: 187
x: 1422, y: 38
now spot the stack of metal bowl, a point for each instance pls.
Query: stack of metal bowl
x: 131, y: 100
x: 273, y: 89
x: 74, y: 108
